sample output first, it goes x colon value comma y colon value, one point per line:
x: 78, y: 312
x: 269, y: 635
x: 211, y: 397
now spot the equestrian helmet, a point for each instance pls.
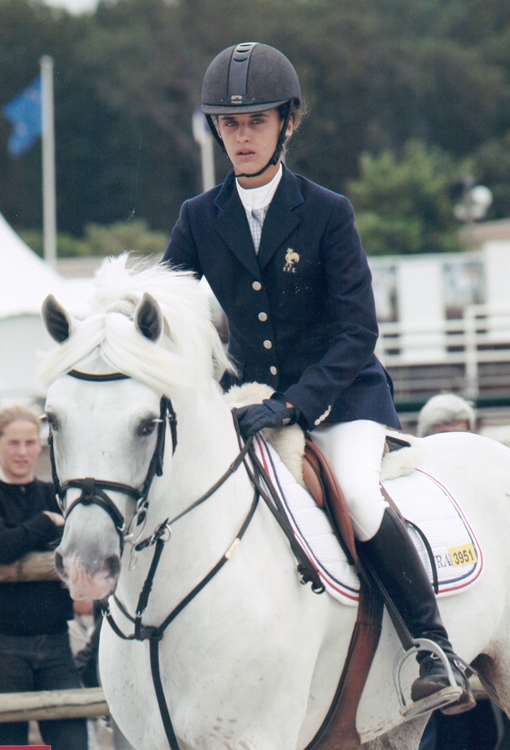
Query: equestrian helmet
x: 249, y: 77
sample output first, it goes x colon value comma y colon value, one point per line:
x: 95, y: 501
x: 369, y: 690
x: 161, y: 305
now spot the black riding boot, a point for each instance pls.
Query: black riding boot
x: 395, y: 559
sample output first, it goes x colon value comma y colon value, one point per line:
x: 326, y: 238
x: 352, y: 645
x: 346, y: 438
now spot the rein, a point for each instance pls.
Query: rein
x: 154, y: 634
x: 93, y: 492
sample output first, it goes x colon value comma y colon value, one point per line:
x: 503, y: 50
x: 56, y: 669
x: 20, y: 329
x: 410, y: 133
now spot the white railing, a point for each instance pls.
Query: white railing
x: 481, y: 337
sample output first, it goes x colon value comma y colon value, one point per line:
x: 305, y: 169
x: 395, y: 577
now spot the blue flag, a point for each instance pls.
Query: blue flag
x: 24, y: 113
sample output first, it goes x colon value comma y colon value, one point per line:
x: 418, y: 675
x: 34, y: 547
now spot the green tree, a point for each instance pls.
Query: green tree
x: 376, y: 74
x: 404, y: 205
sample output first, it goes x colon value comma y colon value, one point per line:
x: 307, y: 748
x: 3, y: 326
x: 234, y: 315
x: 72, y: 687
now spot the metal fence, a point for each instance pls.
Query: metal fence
x: 469, y: 356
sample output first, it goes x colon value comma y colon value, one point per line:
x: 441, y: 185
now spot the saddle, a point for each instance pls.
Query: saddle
x: 339, y: 727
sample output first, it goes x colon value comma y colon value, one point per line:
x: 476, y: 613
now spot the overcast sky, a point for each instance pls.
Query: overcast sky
x: 74, y: 6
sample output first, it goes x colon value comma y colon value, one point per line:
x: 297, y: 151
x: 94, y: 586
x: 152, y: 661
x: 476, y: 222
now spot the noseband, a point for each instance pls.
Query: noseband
x: 94, y: 491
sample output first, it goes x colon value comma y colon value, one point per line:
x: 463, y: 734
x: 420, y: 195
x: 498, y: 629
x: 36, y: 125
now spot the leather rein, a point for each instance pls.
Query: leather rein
x: 93, y: 492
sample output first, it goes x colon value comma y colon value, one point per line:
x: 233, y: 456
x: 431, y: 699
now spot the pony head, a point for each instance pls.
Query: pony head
x: 151, y: 323
x: 153, y: 326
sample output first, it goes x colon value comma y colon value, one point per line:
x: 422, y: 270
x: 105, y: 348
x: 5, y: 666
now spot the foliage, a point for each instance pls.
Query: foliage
x: 101, y: 240
x: 492, y: 167
x: 376, y: 74
x: 405, y: 205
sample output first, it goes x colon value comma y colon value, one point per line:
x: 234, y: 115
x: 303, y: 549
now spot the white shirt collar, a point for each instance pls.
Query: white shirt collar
x: 260, y: 197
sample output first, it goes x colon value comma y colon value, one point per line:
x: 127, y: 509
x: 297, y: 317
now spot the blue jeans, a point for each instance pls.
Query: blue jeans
x: 41, y: 662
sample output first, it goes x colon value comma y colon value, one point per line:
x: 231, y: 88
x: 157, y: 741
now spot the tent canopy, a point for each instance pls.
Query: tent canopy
x: 26, y: 279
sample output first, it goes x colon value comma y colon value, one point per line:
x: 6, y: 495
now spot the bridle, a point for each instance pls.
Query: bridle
x: 94, y: 491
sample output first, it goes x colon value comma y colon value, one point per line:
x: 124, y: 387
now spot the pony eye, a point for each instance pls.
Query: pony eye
x: 52, y: 421
x: 148, y: 427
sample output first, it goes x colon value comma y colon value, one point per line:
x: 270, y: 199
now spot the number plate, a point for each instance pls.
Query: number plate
x: 464, y: 554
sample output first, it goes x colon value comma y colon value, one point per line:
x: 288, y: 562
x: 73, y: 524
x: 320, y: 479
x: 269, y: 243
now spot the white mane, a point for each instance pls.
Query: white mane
x: 185, y: 355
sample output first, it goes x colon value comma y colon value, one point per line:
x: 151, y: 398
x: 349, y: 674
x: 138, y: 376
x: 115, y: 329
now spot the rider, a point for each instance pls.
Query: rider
x: 285, y: 261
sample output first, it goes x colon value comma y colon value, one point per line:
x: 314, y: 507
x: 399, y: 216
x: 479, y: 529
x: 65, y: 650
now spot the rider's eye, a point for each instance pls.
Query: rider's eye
x: 147, y: 428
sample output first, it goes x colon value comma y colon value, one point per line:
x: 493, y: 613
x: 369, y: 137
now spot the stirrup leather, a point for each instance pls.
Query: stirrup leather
x: 439, y: 699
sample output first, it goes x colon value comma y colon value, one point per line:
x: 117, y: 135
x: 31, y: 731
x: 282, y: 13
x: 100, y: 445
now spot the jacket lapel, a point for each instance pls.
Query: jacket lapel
x: 232, y: 225
x: 281, y: 219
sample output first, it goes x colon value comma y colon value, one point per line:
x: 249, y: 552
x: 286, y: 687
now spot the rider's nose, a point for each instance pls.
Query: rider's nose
x: 242, y: 133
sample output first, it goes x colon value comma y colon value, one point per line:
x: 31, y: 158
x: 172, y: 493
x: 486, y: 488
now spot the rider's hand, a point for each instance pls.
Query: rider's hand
x: 56, y: 518
x: 272, y: 412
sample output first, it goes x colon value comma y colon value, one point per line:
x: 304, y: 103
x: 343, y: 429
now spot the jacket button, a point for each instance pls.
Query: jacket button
x: 268, y: 344
x: 273, y: 370
x: 257, y: 286
x: 263, y: 317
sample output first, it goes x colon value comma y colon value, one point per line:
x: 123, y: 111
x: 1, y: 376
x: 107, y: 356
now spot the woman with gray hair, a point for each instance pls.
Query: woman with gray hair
x: 446, y: 412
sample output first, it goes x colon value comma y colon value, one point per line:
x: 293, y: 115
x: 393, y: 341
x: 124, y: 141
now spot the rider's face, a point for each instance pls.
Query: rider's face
x: 250, y: 141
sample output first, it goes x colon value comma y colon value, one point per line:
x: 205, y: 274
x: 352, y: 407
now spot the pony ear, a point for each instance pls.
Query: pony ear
x: 148, y: 318
x: 56, y: 319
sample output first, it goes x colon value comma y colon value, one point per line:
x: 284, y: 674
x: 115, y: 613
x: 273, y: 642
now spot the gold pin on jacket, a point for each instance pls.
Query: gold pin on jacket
x: 291, y: 258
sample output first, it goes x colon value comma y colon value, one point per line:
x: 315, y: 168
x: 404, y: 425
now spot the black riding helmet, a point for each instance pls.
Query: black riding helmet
x: 250, y: 77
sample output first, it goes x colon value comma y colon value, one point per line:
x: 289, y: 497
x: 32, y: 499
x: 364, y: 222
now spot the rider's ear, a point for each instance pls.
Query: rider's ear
x: 148, y: 318
x: 56, y: 320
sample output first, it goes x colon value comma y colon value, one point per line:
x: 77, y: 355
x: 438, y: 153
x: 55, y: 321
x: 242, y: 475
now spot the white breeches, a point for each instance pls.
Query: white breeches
x: 354, y: 450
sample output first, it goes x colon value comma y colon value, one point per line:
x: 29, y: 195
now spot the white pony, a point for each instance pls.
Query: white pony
x: 253, y: 661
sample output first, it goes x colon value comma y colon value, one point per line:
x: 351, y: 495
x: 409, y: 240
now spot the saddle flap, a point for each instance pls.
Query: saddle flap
x: 325, y: 490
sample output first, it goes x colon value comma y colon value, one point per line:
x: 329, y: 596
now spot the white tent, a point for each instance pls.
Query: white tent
x: 25, y: 280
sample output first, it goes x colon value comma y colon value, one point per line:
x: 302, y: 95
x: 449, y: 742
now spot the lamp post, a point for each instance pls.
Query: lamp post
x: 473, y: 207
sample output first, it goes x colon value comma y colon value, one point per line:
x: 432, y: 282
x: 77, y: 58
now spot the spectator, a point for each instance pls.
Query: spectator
x: 446, y: 412
x: 484, y: 727
x: 34, y: 643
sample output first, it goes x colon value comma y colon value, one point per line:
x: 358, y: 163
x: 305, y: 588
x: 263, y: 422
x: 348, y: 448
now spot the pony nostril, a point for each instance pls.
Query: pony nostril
x: 59, y: 565
x: 112, y: 565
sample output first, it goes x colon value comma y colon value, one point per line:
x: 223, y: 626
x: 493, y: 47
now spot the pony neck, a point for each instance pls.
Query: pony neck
x: 207, y: 446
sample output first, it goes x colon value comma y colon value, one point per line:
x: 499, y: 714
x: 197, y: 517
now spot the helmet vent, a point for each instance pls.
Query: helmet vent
x: 238, y: 72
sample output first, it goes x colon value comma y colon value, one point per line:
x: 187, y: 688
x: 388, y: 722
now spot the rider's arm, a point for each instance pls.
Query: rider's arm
x: 181, y: 251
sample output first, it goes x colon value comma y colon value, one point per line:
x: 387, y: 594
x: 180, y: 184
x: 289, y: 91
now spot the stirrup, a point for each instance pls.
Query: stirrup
x: 439, y: 699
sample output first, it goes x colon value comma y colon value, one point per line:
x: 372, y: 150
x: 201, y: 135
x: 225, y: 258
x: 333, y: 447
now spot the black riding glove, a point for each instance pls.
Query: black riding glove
x: 272, y: 412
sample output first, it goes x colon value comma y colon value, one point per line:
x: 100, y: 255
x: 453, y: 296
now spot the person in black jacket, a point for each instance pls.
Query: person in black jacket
x: 34, y: 645
x: 285, y: 261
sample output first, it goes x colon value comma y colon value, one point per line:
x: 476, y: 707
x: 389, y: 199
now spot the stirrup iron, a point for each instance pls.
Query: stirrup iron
x: 431, y: 702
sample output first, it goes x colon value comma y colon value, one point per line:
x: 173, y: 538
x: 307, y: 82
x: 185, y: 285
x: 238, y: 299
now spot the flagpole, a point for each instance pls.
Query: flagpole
x: 48, y: 162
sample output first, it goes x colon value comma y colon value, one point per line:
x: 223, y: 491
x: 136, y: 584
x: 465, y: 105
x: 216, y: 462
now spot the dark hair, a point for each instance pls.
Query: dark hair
x: 296, y: 115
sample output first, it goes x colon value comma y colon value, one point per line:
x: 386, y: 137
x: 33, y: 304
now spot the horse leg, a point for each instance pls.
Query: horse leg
x: 404, y: 737
x: 494, y: 674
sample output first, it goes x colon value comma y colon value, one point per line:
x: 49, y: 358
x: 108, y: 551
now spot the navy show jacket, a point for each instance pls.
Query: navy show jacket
x: 301, y: 313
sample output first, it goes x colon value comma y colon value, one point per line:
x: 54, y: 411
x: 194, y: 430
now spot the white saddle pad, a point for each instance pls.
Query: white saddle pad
x: 421, y: 499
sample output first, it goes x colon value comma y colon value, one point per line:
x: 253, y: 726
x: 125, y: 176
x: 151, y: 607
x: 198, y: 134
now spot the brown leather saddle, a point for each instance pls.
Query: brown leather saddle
x: 338, y: 731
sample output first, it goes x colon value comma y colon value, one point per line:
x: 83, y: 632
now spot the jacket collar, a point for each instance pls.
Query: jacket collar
x: 281, y: 220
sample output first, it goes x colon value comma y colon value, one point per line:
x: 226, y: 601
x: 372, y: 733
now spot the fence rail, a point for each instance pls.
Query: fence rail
x: 34, y: 566
x: 470, y: 356
x: 82, y: 703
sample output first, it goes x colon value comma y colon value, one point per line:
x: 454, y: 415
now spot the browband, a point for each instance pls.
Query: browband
x: 100, y: 378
